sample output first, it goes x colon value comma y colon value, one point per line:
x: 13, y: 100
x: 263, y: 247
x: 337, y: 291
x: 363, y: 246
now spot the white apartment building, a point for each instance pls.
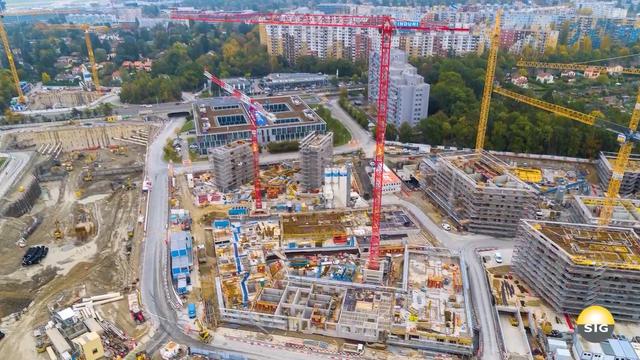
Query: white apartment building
x: 408, y: 93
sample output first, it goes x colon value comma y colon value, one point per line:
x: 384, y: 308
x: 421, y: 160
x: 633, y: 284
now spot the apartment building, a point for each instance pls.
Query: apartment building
x: 478, y: 193
x: 631, y: 178
x: 408, y: 93
x: 232, y: 165
x: 572, y: 266
x: 316, y: 151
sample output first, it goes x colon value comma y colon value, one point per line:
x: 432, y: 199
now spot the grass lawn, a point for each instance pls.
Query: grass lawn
x: 188, y: 126
x: 341, y: 135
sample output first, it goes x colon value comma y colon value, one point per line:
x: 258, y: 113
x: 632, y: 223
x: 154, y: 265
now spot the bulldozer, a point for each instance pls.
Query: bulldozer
x: 57, y: 233
x: 203, y: 332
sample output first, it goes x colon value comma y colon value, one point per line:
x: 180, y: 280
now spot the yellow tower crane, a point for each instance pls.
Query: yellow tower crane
x: 87, y: 38
x: 12, y: 65
x: 488, y: 83
x: 627, y: 136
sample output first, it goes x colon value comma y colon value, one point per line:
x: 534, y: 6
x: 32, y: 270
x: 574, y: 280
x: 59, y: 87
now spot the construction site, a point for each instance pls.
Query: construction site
x: 422, y: 300
x: 61, y: 99
x: 570, y: 265
x: 75, y: 190
x: 479, y: 193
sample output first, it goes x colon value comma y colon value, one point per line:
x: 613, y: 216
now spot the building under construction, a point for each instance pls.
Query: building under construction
x: 478, y: 193
x: 587, y: 209
x: 424, y: 301
x: 575, y: 265
x: 232, y: 165
x: 316, y: 151
x: 631, y: 179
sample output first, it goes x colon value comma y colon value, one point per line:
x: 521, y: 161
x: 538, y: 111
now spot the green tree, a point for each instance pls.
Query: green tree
x: 405, y: 132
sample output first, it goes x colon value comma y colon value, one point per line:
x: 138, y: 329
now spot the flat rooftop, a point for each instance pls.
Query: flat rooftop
x: 277, y: 78
x: 626, y: 212
x: 224, y: 114
x: 592, y: 245
x: 632, y: 166
x: 485, y: 169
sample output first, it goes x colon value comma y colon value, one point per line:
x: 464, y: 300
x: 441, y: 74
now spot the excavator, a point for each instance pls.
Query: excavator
x: 88, y: 175
x: 57, y: 233
x: 203, y: 332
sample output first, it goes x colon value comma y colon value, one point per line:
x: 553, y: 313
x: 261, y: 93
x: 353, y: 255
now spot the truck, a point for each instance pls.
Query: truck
x: 191, y: 309
x: 353, y: 348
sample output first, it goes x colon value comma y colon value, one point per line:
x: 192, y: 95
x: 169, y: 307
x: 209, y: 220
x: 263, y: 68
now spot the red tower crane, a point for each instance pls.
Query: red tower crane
x: 253, y: 125
x: 385, y: 25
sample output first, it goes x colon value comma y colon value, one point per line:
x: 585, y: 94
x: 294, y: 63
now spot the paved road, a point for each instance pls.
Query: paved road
x: 361, y: 136
x: 467, y: 244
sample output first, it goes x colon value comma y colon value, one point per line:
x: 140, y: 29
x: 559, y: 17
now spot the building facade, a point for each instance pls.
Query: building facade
x: 572, y: 266
x: 316, y: 151
x: 408, y: 93
x: 232, y: 165
x: 478, y: 194
x: 220, y: 121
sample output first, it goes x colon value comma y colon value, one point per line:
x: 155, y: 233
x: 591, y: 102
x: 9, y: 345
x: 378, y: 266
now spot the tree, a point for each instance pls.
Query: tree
x: 405, y: 132
x: 46, y: 78
x: 100, y: 55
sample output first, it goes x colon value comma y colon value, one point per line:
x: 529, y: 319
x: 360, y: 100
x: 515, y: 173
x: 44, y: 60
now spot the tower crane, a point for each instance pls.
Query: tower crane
x: 627, y: 137
x: 12, y: 65
x: 87, y: 38
x: 254, y: 107
x: 386, y: 26
x: 488, y: 83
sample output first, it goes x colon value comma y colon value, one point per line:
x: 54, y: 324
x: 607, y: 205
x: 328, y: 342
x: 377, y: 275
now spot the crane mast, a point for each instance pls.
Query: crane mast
x: 488, y: 83
x: 386, y: 26
x: 12, y: 65
x: 87, y: 39
x: 626, y: 136
x: 253, y: 106
x: 92, y: 60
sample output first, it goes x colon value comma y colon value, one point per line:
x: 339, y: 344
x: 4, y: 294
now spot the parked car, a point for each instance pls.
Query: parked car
x: 1, y: 335
x: 498, y: 257
x: 446, y: 227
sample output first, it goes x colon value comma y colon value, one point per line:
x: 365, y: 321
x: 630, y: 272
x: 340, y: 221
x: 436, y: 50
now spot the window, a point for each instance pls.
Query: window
x: 229, y: 120
x: 286, y: 121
